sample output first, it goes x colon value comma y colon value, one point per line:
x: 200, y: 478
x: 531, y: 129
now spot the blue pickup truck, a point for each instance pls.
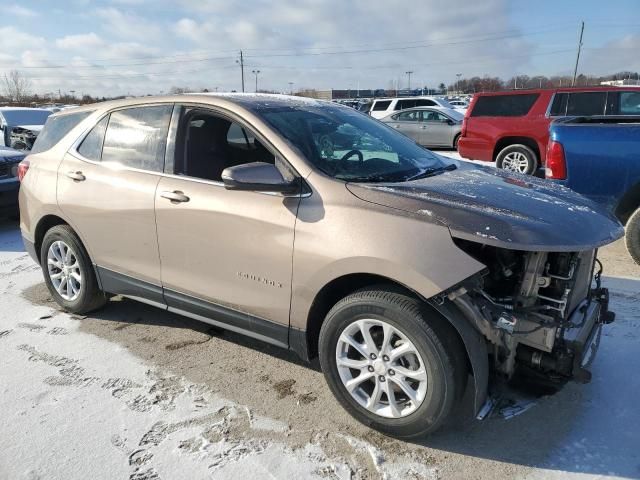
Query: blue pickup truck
x: 599, y: 157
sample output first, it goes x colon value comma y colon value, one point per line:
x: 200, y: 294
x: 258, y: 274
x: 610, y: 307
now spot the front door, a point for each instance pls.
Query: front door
x: 225, y: 255
x: 408, y: 122
x: 106, y: 188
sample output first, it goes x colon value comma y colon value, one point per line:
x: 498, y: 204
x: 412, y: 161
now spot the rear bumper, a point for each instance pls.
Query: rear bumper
x: 9, y: 189
x: 475, y: 149
x: 30, y: 247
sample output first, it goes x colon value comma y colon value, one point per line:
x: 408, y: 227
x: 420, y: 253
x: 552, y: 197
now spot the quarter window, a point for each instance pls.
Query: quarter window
x: 91, y: 146
x: 136, y: 137
x: 586, y: 103
x: 504, y: 105
x: 381, y: 105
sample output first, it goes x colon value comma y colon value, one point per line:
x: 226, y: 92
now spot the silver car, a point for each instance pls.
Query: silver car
x: 429, y: 126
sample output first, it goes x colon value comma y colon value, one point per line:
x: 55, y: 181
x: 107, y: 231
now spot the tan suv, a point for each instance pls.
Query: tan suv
x: 316, y: 228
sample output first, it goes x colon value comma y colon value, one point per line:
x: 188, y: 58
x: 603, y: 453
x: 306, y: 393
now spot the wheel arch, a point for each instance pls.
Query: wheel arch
x: 628, y: 204
x: 513, y: 140
x: 43, y: 225
x: 474, y: 344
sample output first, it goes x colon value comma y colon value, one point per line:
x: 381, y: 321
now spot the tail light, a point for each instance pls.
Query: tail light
x: 556, y: 165
x: 463, y: 131
x: 23, y: 167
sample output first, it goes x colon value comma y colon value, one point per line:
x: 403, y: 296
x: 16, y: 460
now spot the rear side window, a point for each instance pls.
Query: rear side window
x: 504, y: 105
x: 559, y: 105
x: 425, y: 103
x: 91, y: 146
x: 586, y: 103
x: 380, y: 106
x: 623, y: 103
x: 136, y: 137
x: 55, y: 129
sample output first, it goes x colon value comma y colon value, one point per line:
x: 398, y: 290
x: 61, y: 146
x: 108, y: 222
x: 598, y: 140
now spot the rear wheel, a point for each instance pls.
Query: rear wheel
x: 632, y: 236
x: 517, y: 158
x: 68, y: 271
x: 392, y: 364
x: 455, y: 141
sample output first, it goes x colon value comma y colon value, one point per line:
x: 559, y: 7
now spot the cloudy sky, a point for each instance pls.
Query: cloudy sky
x: 110, y: 47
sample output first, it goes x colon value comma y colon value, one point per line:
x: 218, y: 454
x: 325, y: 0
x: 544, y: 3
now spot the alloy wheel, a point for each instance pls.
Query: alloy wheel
x: 64, y: 270
x: 381, y: 368
x: 515, y: 162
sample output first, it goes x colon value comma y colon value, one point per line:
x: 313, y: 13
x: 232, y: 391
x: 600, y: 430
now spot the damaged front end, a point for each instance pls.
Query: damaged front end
x: 541, y: 313
x: 22, y: 138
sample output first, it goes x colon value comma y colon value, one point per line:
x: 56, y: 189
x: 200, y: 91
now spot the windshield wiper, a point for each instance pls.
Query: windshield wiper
x: 429, y: 172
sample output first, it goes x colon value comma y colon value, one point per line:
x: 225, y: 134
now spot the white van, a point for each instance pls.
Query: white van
x: 381, y: 107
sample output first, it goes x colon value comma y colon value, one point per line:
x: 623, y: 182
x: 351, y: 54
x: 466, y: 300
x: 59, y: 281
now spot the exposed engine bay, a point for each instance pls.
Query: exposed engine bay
x: 540, y: 312
x: 22, y: 138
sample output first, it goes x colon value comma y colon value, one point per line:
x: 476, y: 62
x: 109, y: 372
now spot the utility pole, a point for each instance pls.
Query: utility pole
x: 241, y: 62
x: 409, y: 81
x: 256, y: 72
x: 458, y: 75
x: 291, y: 87
x: 575, y: 70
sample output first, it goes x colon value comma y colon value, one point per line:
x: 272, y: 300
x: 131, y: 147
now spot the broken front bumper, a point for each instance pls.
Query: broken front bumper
x: 584, y: 339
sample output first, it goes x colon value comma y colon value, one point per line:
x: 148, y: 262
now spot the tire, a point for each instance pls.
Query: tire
x: 455, y: 142
x: 632, y: 236
x: 439, y: 352
x: 517, y: 158
x: 87, y: 295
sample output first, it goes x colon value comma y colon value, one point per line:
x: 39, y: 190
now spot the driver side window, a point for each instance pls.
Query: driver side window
x: 207, y: 143
x: 433, y: 117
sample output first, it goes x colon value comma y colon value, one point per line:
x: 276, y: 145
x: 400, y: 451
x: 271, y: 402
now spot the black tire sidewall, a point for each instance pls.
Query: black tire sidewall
x: 632, y: 236
x: 525, y: 150
x: 88, y: 287
x: 439, y: 396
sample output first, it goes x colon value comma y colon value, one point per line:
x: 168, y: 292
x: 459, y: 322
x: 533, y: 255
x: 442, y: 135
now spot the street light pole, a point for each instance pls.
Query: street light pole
x: 458, y: 75
x: 291, y: 88
x: 256, y: 72
x: 409, y: 81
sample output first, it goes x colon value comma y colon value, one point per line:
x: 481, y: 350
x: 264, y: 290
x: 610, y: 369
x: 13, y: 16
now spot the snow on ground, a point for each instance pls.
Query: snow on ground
x: 96, y: 398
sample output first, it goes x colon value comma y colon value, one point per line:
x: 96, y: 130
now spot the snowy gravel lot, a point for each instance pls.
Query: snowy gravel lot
x: 132, y: 392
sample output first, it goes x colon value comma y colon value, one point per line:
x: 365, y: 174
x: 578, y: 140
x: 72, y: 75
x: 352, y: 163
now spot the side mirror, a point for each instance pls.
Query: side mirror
x: 258, y: 177
x: 450, y: 122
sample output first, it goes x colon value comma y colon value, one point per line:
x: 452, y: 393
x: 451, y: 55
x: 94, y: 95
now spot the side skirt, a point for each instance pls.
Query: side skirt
x: 201, y: 310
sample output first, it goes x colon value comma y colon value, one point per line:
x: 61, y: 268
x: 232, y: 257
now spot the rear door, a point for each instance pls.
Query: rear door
x: 226, y: 255
x: 408, y: 122
x: 106, y: 188
x: 436, y: 129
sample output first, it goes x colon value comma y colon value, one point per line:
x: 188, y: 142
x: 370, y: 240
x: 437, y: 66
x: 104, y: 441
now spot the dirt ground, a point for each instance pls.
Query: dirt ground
x: 582, y: 432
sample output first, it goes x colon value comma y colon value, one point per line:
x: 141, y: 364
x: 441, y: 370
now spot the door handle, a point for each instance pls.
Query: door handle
x: 175, y: 196
x: 76, y: 176
x: 424, y: 127
x: 397, y: 126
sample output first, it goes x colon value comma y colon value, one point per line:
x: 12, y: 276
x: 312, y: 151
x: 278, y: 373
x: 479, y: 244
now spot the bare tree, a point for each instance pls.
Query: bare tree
x: 16, y: 86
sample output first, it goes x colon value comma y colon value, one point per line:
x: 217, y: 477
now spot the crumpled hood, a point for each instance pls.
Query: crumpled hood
x: 497, y: 208
x: 33, y: 128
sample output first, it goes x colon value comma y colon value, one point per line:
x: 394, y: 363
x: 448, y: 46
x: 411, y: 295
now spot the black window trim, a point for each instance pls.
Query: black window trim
x: 174, y: 124
x: 73, y: 150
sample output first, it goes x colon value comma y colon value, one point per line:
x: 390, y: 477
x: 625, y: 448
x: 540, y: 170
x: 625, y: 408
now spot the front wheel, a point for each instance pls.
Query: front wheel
x: 393, y: 365
x: 632, y: 236
x: 68, y: 272
x: 517, y: 158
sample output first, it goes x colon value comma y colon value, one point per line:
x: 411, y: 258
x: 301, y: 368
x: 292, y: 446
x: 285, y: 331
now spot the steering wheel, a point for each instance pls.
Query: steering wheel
x: 351, y: 153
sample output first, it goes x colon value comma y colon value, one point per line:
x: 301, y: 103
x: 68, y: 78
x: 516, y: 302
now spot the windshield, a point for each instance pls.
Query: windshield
x: 349, y: 145
x: 26, y: 116
x: 455, y: 114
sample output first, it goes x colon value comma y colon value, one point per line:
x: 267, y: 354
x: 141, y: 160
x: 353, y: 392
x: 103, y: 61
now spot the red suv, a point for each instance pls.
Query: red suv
x: 512, y: 128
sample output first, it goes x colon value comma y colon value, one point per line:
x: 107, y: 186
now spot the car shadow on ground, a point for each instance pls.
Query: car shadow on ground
x: 10, y: 237
x: 576, y: 430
